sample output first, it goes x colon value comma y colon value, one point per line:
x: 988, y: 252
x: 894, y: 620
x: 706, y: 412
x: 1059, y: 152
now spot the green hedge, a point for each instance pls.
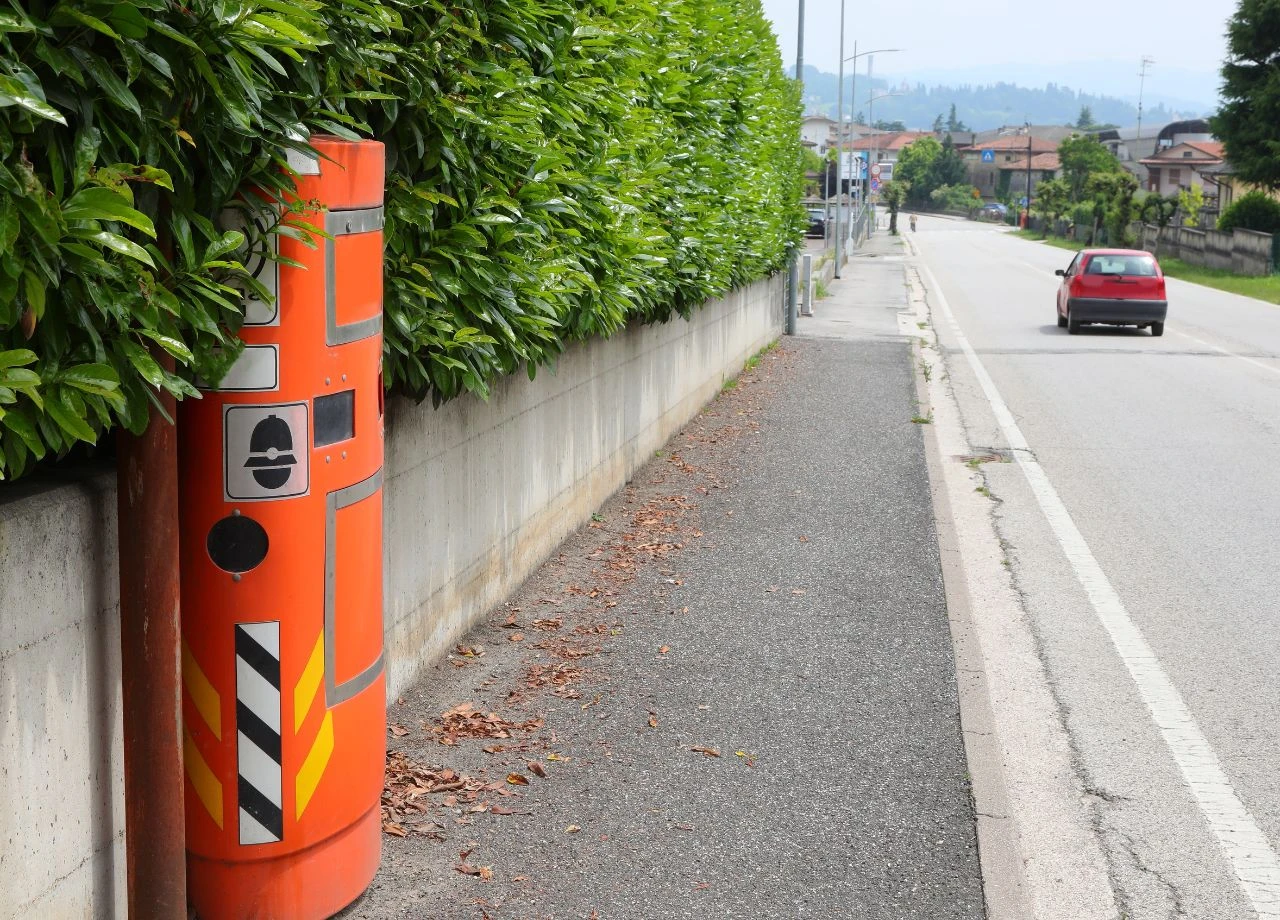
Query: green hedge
x: 1252, y: 211
x: 556, y: 169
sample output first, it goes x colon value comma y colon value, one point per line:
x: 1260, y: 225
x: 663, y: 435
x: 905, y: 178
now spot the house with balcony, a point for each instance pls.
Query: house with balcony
x: 1186, y: 165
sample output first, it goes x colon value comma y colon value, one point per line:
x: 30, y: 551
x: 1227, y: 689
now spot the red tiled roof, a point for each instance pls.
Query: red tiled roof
x: 1215, y: 149
x: 1013, y: 143
x: 1205, y: 152
x: 892, y: 141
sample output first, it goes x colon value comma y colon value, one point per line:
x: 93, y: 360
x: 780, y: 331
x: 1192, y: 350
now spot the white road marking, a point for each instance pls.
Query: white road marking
x: 1245, y: 846
x: 1254, y: 361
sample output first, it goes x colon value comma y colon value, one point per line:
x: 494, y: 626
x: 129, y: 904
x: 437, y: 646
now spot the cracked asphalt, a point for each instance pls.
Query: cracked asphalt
x: 758, y: 716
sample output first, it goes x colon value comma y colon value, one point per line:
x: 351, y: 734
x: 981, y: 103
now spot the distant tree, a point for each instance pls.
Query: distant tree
x: 953, y: 123
x: 1083, y: 156
x: 1190, y: 201
x: 1085, y: 121
x: 1249, y: 120
x: 955, y: 198
x: 1053, y: 199
x: 814, y: 167
x: 1111, y: 197
x: 860, y: 119
x: 1159, y: 210
x: 1252, y: 211
x: 948, y: 168
x: 894, y: 195
x: 915, y: 167
x: 882, y: 125
x: 937, y: 124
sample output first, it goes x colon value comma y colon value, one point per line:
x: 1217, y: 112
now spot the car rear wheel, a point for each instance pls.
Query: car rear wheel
x: 1157, y: 328
x: 1062, y: 321
x: 1073, y: 324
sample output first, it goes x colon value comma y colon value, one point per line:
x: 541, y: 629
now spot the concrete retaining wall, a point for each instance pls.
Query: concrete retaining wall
x: 1251, y: 253
x: 477, y: 495
x: 1244, y: 252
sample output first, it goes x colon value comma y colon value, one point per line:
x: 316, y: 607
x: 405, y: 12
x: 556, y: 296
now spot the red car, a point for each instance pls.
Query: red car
x: 1114, y: 287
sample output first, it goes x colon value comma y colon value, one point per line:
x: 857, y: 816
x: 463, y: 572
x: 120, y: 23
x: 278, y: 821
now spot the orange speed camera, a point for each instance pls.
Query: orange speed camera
x: 281, y: 529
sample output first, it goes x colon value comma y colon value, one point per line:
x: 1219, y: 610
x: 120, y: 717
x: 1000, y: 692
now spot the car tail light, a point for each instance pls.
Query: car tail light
x: 1077, y: 286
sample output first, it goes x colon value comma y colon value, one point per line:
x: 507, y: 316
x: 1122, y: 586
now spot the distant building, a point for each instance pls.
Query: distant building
x: 993, y: 156
x: 817, y: 132
x: 1185, y: 165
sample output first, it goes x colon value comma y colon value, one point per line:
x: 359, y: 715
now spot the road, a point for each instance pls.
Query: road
x: 1140, y: 524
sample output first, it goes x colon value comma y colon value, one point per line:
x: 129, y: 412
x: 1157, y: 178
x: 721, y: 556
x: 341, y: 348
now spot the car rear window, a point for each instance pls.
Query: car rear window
x: 1121, y: 265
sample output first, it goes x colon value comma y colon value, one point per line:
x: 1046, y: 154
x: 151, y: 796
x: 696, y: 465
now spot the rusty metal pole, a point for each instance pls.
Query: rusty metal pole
x: 150, y: 665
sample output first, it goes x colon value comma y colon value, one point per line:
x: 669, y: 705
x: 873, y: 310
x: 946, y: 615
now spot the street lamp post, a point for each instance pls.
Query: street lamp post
x: 840, y: 126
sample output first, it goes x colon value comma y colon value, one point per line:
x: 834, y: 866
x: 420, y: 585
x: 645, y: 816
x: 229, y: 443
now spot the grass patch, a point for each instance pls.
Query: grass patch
x: 922, y: 419
x: 1073, y: 245
x: 1266, y: 287
x: 820, y: 289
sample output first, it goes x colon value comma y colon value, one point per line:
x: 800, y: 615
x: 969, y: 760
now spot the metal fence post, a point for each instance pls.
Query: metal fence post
x: 806, y: 281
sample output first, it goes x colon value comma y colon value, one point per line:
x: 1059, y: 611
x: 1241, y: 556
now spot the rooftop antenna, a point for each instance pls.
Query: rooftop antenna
x: 1142, y: 82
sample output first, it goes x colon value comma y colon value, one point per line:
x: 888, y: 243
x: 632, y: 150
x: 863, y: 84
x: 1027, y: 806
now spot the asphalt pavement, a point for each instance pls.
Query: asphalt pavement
x: 1141, y: 526
x: 758, y: 713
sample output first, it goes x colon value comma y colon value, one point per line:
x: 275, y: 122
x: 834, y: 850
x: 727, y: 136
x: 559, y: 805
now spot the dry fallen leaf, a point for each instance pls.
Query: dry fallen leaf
x: 709, y: 751
x: 653, y: 721
x: 516, y: 779
x: 537, y: 769
x: 392, y: 827
x: 804, y: 539
x: 398, y: 730
x: 572, y: 829
x: 486, y: 873
x: 798, y: 591
x: 516, y: 637
x: 701, y: 886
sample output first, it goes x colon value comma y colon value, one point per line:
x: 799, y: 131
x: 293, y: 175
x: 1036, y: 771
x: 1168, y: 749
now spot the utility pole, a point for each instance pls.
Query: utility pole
x: 1142, y: 85
x: 839, y: 139
x: 790, y: 325
x: 1028, y: 175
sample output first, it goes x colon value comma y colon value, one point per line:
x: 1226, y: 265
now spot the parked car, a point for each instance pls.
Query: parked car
x: 993, y: 211
x: 817, y: 222
x: 1114, y: 287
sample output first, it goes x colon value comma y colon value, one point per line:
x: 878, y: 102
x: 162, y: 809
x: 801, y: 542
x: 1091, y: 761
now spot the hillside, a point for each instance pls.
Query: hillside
x: 980, y: 107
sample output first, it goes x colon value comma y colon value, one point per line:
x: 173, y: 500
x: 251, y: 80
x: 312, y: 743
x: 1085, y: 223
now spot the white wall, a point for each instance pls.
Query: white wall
x: 477, y: 495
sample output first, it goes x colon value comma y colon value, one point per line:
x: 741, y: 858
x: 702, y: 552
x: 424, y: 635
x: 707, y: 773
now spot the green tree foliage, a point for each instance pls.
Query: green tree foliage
x: 915, y: 166
x: 949, y: 168
x: 1111, y: 197
x: 882, y: 125
x: 925, y: 164
x: 1248, y: 121
x: 894, y: 195
x: 1158, y: 209
x: 954, y: 198
x: 937, y: 124
x: 1190, y: 203
x: 1085, y: 120
x: 1052, y: 199
x: 954, y: 123
x: 556, y: 169
x: 1252, y: 211
x: 1083, y: 156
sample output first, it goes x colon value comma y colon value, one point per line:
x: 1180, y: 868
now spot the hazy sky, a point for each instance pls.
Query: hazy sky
x: 945, y: 35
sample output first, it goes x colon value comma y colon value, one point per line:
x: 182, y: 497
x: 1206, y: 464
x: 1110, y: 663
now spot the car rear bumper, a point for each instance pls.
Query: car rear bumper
x: 1108, y: 310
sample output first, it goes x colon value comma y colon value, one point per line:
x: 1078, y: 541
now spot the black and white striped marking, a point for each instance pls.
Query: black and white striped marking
x: 258, y: 732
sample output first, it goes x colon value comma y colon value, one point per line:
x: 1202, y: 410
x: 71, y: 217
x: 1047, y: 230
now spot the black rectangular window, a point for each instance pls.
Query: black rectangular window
x: 335, y: 417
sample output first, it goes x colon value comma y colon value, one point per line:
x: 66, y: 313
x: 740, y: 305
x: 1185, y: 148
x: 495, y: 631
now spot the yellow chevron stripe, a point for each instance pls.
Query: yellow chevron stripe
x: 313, y: 767
x: 202, y: 779
x: 203, y: 695
x: 304, y: 694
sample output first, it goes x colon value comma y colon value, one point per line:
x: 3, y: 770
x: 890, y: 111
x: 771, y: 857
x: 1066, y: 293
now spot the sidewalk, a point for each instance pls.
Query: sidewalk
x: 733, y: 695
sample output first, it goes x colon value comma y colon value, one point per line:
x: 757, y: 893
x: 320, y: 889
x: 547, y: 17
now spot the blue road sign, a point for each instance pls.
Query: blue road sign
x: 1023, y: 201
x: 988, y: 156
x: 875, y: 185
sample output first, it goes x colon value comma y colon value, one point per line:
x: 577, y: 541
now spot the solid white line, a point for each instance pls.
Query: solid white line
x: 1246, y: 847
